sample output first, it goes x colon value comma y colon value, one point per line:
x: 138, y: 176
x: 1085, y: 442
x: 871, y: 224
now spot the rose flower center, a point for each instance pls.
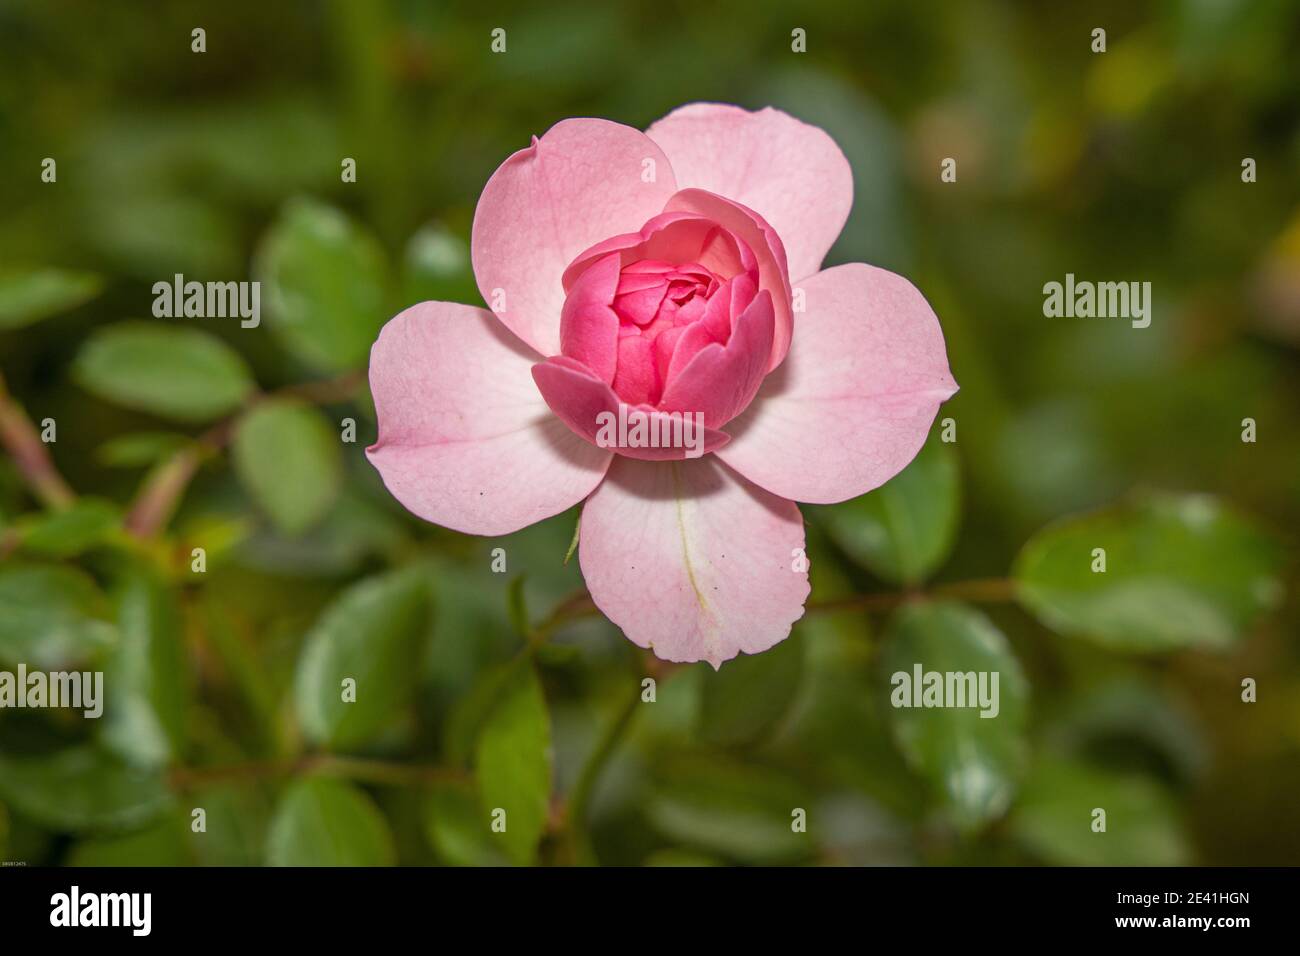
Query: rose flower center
x: 657, y: 303
x: 665, y: 327
x: 640, y: 307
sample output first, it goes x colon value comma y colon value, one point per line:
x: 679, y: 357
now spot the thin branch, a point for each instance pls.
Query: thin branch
x: 885, y: 601
x: 160, y: 494
x: 980, y: 590
x: 600, y: 756
x: 575, y: 813
x: 9, y: 540
x: 326, y: 392
x: 23, y: 442
x: 573, y: 608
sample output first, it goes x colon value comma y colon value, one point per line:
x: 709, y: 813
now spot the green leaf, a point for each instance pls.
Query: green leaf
x: 288, y: 457
x: 86, y: 523
x: 513, y: 759
x: 904, y: 529
x: 352, y: 533
x: 146, y: 673
x: 1181, y: 571
x: 138, y: 231
x: 436, y: 266
x: 29, y: 295
x: 140, y: 449
x: 457, y: 828
x: 1125, y: 719
x: 742, y: 812
x: 326, y: 285
x: 973, y: 760
x: 162, y: 844
x: 750, y: 694
x: 1054, y: 818
x: 324, y: 822
x: 171, y: 371
x: 237, y: 822
x: 82, y: 788
x: 253, y: 680
x: 471, y: 709
x: 51, y: 615
x: 374, y: 633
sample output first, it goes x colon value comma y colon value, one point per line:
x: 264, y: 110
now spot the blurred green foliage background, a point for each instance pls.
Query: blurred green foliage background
x: 481, y: 690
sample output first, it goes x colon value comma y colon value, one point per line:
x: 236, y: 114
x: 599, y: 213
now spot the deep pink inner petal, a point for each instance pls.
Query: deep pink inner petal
x: 639, y: 307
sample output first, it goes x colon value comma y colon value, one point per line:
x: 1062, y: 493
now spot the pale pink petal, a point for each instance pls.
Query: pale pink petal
x: 465, y: 439
x: 693, y: 561
x: 790, y: 173
x: 578, y: 397
x: 582, y: 182
x: 766, y: 246
x: 857, y: 394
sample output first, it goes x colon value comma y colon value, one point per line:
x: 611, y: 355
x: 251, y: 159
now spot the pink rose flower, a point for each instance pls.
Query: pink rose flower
x: 649, y: 275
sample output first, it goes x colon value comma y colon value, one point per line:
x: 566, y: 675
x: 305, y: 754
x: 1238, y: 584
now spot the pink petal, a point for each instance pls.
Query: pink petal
x: 687, y: 344
x: 721, y: 380
x: 588, y: 323
x: 465, y: 440
x: 581, y: 183
x: 855, y: 399
x: 641, y: 305
x: 790, y: 173
x: 635, y: 378
x: 691, y: 560
x: 751, y: 229
x: 666, y: 346
x: 660, y: 241
x: 577, y: 396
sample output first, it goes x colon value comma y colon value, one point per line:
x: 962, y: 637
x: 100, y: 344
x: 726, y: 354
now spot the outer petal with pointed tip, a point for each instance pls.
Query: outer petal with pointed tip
x: 790, y: 173
x: 856, y: 396
x: 465, y: 439
x: 581, y: 183
x: 691, y: 560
